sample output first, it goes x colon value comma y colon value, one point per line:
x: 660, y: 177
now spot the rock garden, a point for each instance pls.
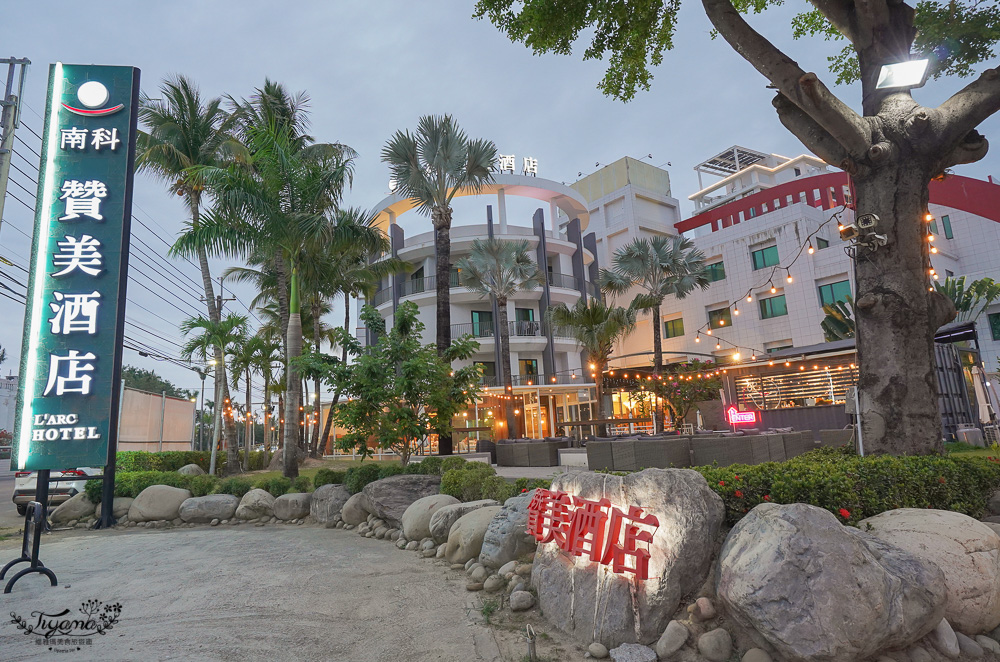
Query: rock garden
x: 827, y: 557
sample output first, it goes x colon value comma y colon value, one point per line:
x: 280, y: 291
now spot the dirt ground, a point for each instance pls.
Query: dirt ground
x: 277, y: 592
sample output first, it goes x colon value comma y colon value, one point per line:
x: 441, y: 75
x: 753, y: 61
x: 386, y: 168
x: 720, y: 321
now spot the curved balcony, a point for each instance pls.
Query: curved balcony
x: 428, y: 285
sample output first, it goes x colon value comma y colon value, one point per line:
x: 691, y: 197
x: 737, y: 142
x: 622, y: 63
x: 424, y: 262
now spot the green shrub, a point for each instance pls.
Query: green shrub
x: 202, y: 485
x: 854, y: 488
x: 328, y: 477
x: 302, y: 484
x: 389, y: 469
x: 358, y: 477
x: 495, y: 487
x: 236, y: 486
x: 466, y: 483
x: 128, y: 461
x: 431, y: 465
x: 452, y: 462
x: 276, y: 486
x: 413, y: 468
x: 130, y: 483
x: 258, y: 460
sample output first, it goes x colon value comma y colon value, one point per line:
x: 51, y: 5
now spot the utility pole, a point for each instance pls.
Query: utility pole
x: 9, y: 121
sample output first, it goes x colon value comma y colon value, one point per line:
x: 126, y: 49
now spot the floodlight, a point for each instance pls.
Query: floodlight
x: 912, y: 73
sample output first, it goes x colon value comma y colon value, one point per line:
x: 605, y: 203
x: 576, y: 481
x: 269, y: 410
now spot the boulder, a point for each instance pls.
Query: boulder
x: 355, y: 510
x: 292, y: 506
x: 444, y: 518
x: 521, y: 601
x: 507, y: 538
x: 597, y: 650
x: 967, y: 551
x: 255, y: 504
x: 851, y: 594
x: 191, y: 470
x: 327, y: 502
x: 119, y: 507
x: 612, y: 607
x: 672, y: 640
x: 389, y: 498
x: 157, y: 502
x: 76, y: 507
x: 202, y: 510
x: 633, y: 653
x: 417, y: 517
x: 277, y: 462
x: 715, y: 645
x: 465, y: 540
x: 944, y: 639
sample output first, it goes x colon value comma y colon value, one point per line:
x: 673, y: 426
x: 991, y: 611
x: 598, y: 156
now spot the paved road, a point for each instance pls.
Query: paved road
x: 246, y: 593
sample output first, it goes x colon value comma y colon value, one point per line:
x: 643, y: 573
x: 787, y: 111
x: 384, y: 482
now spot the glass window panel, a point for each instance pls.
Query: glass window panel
x: 673, y: 328
x: 720, y: 318
x: 715, y: 271
x: 765, y: 257
x: 773, y: 307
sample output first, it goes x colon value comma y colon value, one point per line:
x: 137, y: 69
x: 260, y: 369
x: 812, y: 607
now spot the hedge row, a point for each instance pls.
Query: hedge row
x: 473, y: 481
x: 854, y: 487
x: 174, y: 460
x: 130, y: 483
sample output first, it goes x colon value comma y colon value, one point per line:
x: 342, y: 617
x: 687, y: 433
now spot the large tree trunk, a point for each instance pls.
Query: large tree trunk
x: 657, y: 364
x: 602, y: 428
x: 248, y: 435
x: 508, y: 382
x: 293, y: 383
x: 442, y: 250
x: 897, y: 315
x: 343, y: 357
x: 318, y: 401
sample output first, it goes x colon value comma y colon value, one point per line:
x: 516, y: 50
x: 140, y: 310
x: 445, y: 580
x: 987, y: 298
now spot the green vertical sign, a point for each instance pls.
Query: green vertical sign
x: 71, y: 354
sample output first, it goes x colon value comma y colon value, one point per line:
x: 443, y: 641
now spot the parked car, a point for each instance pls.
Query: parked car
x: 24, y: 486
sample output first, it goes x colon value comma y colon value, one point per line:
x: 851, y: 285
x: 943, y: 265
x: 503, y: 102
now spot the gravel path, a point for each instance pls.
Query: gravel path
x: 250, y: 593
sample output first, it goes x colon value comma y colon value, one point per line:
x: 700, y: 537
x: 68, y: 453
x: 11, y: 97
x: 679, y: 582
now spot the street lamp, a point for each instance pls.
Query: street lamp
x: 202, y: 372
x: 912, y: 73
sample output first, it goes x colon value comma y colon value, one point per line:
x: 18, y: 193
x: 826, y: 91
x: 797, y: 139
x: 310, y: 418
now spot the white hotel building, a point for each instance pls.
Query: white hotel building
x: 755, y: 224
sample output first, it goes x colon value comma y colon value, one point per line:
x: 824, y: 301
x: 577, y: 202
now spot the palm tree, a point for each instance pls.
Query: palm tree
x: 839, y: 321
x: 500, y: 269
x: 430, y: 167
x: 214, y: 335
x: 596, y: 327
x: 658, y: 266
x: 246, y: 358
x: 271, y: 207
x: 971, y: 301
x: 184, y: 131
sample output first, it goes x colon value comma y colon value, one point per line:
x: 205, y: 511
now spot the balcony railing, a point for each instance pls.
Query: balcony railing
x: 494, y: 381
x: 562, y: 280
x: 516, y: 329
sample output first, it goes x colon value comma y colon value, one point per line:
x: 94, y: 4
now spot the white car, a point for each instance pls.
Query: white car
x: 24, y: 486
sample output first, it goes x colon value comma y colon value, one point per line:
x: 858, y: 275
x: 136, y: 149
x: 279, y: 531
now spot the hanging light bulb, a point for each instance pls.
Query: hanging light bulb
x: 811, y: 250
x: 773, y: 288
x: 718, y: 345
x: 749, y: 298
x: 736, y: 310
x: 697, y: 338
x: 736, y: 356
x: 722, y: 322
x: 930, y: 237
x: 789, y: 275
x: 708, y: 332
x: 753, y: 357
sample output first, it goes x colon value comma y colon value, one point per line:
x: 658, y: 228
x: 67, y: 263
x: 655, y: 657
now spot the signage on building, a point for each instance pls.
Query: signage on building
x: 507, y: 163
x: 596, y: 530
x: 72, y: 347
x: 736, y: 417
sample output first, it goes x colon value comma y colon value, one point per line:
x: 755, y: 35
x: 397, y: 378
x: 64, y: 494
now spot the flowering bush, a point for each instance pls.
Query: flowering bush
x: 853, y: 488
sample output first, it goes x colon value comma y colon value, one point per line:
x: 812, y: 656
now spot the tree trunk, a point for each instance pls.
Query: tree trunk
x: 897, y: 315
x: 602, y: 429
x: 246, y: 452
x: 657, y: 364
x: 315, y: 428
x: 293, y: 384
x: 281, y: 421
x: 343, y: 358
x: 508, y: 382
x: 442, y: 270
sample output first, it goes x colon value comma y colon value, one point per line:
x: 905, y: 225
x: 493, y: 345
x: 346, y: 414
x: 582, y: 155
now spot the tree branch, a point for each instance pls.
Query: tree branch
x: 967, y: 108
x: 838, y: 12
x: 973, y: 148
x: 803, y: 89
x: 815, y: 138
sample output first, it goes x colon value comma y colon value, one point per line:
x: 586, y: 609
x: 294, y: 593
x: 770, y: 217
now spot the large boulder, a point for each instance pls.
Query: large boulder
x: 592, y: 602
x: 292, y: 506
x: 77, y: 507
x: 327, y: 501
x: 824, y: 592
x: 202, y: 510
x: 389, y: 498
x: 277, y: 462
x: 465, y: 540
x: 967, y: 551
x: 417, y: 517
x: 119, y: 507
x: 355, y: 510
x: 255, y: 504
x: 444, y: 518
x: 157, y: 502
x: 507, y: 538
x: 191, y: 470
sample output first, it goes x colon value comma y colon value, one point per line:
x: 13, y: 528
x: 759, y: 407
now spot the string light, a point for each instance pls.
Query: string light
x: 718, y: 345
x: 708, y: 332
x: 788, y: 275
x: 736, y: 310
x: 749, y: 298
x: 697, y: 338
x: 811, y: 250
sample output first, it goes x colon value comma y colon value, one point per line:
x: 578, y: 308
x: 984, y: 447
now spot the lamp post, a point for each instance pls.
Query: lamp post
x: 203, y: 373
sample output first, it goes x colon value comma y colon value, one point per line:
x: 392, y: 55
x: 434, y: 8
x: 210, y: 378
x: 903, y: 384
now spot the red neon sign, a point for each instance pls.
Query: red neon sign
x: 595, y: 529
x: 737, y: 417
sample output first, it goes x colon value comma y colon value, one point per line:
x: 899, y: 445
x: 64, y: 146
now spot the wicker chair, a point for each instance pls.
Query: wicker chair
x: 521, y: 455
x: 836, y: 437
x: 600, y: 456
x: 505, y: 453
x: 543, y: 454
x: 776, y: 448
x: 487, y: 446
x: 732, y: 450
x: 663, y: 453
x: 624, y: 453
x: 759, y: 449
x: 798, y: 443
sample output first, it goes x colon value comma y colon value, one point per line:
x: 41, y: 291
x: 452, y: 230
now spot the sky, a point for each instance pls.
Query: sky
x: 372, y: 68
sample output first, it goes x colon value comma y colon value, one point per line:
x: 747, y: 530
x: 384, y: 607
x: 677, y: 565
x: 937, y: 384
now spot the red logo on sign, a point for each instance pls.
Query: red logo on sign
x: 736, y: 417
x: 595, y: 529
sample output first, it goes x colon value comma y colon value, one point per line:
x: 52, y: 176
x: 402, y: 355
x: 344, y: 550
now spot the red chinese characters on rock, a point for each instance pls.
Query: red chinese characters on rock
x: 594, y: 529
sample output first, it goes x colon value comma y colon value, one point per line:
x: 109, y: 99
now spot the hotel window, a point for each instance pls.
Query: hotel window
x: 833, y: 292
x: 946, y: 223
x: 772, y: 350
x: 718, y: 319
x: 773, y: 307
x: 482, y: 323
x: 673, y: 328
x: 528, y: 366
x: 821, y: 243
x: 489, y: 368
x: 764, y: 257
x: 715, y: 271
x: 994, y: 319
x: 753, y: 212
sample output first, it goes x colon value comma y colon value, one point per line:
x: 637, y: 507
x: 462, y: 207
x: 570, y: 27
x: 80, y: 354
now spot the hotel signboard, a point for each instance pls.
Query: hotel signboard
x: 71, y: 354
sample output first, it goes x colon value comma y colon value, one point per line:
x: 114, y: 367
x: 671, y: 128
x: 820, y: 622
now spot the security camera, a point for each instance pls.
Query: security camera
x: 849, y: 232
